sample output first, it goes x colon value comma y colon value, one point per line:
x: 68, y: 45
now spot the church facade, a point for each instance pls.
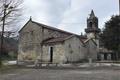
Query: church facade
x: 48, y: 44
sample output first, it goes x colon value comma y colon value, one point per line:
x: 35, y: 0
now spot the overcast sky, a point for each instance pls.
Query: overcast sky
x: 69, y: 15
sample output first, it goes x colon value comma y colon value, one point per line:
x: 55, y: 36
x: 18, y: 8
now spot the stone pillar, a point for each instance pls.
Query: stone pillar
x: 90, y: 60
x: 109, y: 57
x: 102, y: 56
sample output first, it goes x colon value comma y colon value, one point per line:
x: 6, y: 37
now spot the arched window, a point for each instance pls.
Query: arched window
x: 90, y: 24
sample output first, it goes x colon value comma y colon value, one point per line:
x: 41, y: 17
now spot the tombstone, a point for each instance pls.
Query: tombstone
x: 109, y: 57
x: 102, y: 56
x: 90, y: 60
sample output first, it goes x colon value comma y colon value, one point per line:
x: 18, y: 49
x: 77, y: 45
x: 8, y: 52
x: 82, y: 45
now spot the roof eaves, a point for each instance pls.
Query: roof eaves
x: 92, y: 41
x: 25, y: 25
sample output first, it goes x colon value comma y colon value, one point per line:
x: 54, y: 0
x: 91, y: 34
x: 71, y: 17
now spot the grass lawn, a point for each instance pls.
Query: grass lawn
x: 8, y: 68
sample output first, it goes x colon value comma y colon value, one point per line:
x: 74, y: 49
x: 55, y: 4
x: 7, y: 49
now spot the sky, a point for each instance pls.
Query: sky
x: 69, y: 15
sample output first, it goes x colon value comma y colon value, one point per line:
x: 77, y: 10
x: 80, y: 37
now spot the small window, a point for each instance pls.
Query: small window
x: 90, y: 24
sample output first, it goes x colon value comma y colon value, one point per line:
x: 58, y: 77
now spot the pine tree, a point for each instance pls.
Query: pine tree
x: 111, y: 34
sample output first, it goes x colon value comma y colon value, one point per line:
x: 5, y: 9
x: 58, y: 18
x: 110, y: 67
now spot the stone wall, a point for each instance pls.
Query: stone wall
x: 74, y: 50
x: 29, y: 41
x: 58, y: 53
x: 48, y: 33
x: 91, y: 48
x: 31, y: 37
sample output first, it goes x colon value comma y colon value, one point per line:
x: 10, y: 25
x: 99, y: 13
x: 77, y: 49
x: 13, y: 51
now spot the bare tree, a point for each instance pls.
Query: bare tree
x: 9, y: 12
x: 13, y: 11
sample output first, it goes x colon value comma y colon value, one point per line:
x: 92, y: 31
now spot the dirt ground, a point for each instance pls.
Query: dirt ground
x: 103, y: 73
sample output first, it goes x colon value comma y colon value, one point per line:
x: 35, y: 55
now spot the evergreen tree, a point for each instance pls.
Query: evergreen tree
x: 111, y: 34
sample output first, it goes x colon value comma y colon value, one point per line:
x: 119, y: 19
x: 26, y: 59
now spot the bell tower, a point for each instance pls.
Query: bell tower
x: 92, y: 29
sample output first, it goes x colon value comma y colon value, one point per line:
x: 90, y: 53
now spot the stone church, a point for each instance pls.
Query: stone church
x: 49, y: 44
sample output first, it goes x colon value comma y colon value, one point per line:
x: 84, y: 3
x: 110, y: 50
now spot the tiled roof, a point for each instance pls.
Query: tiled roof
x: 49, y: 27
x: 87, y: 40
x: 53, y: 28
x: 54, y: 40
x: 60, y: 39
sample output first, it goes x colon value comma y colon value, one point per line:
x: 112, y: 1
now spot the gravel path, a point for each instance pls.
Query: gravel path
x: 62, y: 74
